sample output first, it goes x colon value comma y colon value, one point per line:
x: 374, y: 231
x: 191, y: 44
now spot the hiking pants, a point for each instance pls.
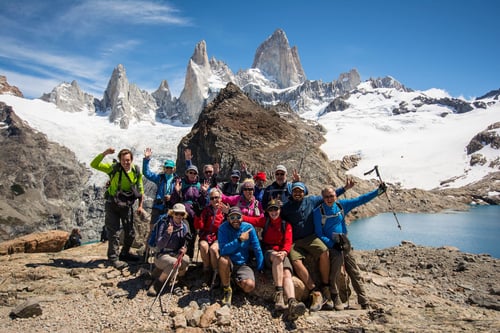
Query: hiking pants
x: 115, y: 216
x: 339, y: 258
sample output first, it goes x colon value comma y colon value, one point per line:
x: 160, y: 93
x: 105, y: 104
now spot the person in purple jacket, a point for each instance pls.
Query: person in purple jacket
x: 330, y: 227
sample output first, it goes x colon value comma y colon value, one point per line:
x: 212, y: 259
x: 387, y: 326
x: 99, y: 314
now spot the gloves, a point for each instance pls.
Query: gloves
x: 382, y: 188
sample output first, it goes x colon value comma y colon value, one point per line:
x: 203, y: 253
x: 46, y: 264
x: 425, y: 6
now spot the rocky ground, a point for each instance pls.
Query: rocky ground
x: 413, y: 289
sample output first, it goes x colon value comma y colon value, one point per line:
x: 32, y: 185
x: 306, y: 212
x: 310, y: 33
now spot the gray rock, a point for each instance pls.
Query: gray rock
x: 28, y: 309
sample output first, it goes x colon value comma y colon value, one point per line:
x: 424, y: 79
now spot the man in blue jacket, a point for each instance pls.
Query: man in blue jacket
x: 330, y: 227
x: 298, y: 211
x: 236, y: 238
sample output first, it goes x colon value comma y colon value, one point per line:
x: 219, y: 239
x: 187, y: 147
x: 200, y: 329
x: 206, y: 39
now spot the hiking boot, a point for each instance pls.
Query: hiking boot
x: 327, y: 298
x: 295, y: 309
x: 337, y: 303
x: 154, y: 288
x: 316, y: 301
x: 129, y: 257
x: 118, y: 264
x: 228, y: 295
x: 279, y: 303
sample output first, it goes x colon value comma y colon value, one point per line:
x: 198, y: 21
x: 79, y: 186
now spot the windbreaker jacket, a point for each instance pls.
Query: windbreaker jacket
x: 239, y: 252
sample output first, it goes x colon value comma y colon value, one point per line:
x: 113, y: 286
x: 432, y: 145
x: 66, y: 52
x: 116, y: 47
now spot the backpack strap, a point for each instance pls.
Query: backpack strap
x: 325, y: 217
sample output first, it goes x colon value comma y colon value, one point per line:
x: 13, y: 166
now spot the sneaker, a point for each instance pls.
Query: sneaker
x: 337, y: 303
x: 129, y: 257
x: 327, y: 298
x: 316, y: 301
x: 118, y: 264
x: 279, y: 304
x: 295, y: 309
x: 228, y: 295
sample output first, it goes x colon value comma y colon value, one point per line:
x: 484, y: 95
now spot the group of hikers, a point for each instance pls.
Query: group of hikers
x: 241, y: 226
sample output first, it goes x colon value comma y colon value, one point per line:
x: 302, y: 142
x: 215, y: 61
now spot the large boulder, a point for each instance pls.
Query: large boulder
x: 48, y: 241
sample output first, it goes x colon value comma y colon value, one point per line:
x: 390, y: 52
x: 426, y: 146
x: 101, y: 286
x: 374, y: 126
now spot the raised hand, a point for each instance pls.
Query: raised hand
x: 147, y: 153
x: 108, y: 151
x: 295, y: 176
x: 188, y: 156
x: 349, y: 183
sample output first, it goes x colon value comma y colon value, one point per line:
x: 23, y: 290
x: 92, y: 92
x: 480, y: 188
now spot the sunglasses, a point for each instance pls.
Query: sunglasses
x: 209, y: 171
x: 248, y: 189
x: 167, y: 167
x: 214, y: 198
x: 272, y: 209
x: 234, y: 217
x: 192, y: 173
x: 178, y: 214
x: 279, y: 173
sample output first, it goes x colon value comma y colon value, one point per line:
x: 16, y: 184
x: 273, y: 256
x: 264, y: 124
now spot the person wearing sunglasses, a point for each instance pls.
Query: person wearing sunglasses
x: 188, y: 191
x: 250, y: 207
x: 164, y: 185
x: 280, y: 189
x: 298, y: 211
x: 276, y: 244
x: 172, y: 240
x: 236, y: 239
x: 331, y: 228
x: 207, y: 225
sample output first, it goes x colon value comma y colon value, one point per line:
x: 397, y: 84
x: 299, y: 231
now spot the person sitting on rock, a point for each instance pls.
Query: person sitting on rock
x: 330, y: 227
x: 280, y: 189
x: 75, y: 239
x: 232, y: 187
x: 298, y: 211
x: 207, y: 225
x: 189, y: 192
x: 260, y: 180
x: 236, y: 239
x: 172, y: 238
x: 250, y: 207
x: 276, y: 244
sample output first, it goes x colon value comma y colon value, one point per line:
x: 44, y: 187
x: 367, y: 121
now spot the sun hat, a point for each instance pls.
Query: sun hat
x: 274, y: 203
x: 178, y: 208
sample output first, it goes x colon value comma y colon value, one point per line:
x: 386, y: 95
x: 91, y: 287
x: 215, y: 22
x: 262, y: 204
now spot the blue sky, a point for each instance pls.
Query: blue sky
x: 448, y: 44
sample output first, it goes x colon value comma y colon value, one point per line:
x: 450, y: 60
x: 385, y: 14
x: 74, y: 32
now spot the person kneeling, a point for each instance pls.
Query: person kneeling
x: 236, y: 238
x: 173, y: 236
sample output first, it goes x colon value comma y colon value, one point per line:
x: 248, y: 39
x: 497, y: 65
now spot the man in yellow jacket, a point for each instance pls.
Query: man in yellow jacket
x: 125, y: 186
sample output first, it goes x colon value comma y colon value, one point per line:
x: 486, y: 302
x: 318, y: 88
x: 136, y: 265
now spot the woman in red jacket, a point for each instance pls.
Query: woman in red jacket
x: 207, y: 225
x: 276, y: 244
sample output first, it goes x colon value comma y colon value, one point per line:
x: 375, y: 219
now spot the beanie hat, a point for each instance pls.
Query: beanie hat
x: 260, y: 176
x: 192, y: 167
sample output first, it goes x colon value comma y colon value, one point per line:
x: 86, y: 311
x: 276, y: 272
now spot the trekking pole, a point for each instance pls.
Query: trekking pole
x: 163, y: 286
x: 375, y: 168
x: 177, y: 266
